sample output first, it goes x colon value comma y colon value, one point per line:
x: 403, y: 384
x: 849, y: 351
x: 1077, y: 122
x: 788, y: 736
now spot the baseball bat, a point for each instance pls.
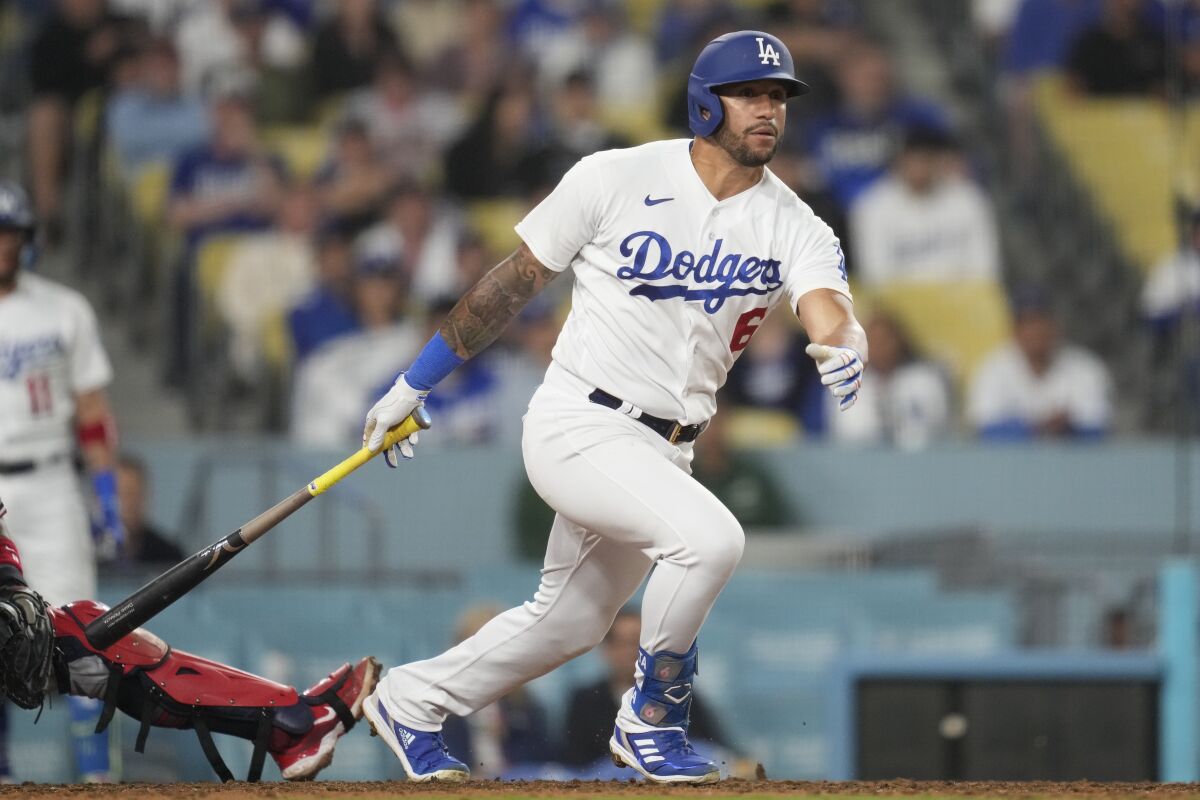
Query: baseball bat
x: 135, y: 610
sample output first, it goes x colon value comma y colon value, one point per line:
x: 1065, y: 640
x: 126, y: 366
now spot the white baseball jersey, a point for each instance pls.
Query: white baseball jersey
x: 50, y: 351
x: 671, y: 284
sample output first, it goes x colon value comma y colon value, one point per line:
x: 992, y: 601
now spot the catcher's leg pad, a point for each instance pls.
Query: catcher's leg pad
x: 147, y: 679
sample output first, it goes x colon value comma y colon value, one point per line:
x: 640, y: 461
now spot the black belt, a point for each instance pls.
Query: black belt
x: 29, y: 465
x: 669, y: 429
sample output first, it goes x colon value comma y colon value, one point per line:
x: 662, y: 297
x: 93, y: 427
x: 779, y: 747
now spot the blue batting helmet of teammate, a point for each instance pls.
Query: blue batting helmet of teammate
x: 734, y: 58
x: 16, y: 213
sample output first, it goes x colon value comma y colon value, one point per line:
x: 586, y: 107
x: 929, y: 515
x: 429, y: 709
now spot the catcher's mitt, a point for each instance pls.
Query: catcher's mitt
x: 26, y: 645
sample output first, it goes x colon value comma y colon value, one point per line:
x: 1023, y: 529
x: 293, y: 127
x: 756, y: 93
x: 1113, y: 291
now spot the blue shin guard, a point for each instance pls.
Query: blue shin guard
x: 91, y: 748
x: 663, y: 699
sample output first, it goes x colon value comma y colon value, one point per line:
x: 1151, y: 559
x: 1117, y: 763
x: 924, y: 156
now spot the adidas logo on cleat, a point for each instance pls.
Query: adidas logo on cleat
x: 406, y: 738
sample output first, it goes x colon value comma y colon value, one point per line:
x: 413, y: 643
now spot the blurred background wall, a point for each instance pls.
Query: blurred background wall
x: 270, y: 203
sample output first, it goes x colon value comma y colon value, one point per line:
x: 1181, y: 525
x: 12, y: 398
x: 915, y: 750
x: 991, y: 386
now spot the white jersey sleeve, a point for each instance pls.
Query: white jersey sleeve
x: 567, y: 219
x: 818, y: 262
x: 90, y: 368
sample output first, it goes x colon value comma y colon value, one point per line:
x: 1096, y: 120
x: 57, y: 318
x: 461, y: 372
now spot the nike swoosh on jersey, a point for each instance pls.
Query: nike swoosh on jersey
x: 655, y: 202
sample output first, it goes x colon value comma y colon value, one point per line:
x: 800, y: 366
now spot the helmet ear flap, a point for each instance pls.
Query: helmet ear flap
x: 701, y: 99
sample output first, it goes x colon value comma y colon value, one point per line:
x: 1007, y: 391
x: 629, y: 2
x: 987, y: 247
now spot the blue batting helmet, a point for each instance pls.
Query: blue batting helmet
x: 16, y: 212
x: 734, y: 58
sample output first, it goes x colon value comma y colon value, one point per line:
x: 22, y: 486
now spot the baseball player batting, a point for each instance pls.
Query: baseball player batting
x: 680, y: 249
x: 53, y: 374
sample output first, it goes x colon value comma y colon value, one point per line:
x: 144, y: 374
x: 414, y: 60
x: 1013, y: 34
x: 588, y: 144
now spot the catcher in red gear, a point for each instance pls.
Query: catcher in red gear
x: 43, y: 649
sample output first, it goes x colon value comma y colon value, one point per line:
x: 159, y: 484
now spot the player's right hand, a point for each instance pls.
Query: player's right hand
x: 392, y: 409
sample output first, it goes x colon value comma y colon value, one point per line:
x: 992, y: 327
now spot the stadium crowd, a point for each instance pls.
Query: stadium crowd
x: 317, y: 181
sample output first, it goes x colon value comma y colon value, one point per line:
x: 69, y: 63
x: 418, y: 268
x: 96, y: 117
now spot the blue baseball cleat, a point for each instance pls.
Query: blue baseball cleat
x: 422, y: 754
x: 662, y: 756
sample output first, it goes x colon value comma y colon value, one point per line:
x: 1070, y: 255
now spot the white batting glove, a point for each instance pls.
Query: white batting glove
x: 841, y: 370
x: 392, y: 409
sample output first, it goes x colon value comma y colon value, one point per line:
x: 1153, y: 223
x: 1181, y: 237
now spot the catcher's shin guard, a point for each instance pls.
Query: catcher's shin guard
x: 145, y: 678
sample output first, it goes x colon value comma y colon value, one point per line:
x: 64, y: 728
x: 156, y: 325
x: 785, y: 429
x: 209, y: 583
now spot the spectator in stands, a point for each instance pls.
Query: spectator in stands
x: 327, y: 312
x: 350, y: 46
x: 852, y: 146
x: 71, y: 54
x: 1120, y: 55
x: 1038, y: 386
x: 427, y: 233
x: 619, y: 61
x: 489, y: 159
x: 575, y: 131
x: 230, y: 184
x: 354, y: 182
x: 472, y: 63
x: 333, y: 383
x: 408, y: 123
x: 908, y: 402
x: 739, y: 480
x: 267, y: 274
x: 506, y: 738
x: 154, y: 120
x: 771, y: 375
x: 238, y: 37
x: 993, y: 19
x: 1173, y: 288
x: 682, y: 24
x: 1042, y: 32
x: 925, y: 221
x: 1038, y: 41
x: 1170, y: 300
x: 816, y: 32
x: 591, y: 708
x: 535, y: 26
x: 145, y: 543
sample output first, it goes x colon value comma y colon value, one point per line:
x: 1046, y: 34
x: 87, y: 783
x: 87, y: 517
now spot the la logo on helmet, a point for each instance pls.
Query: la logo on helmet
x: 767, y: 52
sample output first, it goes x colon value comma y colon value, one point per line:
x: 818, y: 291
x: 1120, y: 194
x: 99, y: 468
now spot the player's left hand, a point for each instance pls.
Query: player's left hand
x: 841, y: 370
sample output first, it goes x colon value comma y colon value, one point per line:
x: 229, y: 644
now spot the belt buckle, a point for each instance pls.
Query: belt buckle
x: 676, y: 429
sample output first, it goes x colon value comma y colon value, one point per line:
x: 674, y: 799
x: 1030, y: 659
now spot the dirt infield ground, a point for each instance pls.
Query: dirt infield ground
x: 594, y: 790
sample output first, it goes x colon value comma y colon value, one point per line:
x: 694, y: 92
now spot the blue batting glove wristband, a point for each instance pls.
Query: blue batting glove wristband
x: 434, y: 363
x: 104, y: 485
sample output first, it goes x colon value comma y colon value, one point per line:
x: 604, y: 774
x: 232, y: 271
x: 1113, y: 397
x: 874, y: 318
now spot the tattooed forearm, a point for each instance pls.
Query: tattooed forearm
x: 488, y: 306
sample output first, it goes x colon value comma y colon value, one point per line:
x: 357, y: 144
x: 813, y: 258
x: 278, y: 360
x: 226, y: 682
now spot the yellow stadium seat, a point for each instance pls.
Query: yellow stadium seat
x: 1127, y: 153
x: 957, y: 323
x: 302, y: 147
x: 760, y: 427
x: 276, y: 341
x: 493, y: 220
x: 212, y: 259
x: 150, y: 189
x: 88, y: 115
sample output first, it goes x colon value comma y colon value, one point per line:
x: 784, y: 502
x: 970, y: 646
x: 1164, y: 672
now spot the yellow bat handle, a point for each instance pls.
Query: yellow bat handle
x: 418, y: 420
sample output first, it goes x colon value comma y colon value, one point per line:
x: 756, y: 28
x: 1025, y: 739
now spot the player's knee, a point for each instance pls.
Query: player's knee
x: 721, y: 552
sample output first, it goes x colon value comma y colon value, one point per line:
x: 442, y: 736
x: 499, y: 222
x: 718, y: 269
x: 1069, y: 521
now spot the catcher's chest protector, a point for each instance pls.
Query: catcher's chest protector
x: 148, y: 680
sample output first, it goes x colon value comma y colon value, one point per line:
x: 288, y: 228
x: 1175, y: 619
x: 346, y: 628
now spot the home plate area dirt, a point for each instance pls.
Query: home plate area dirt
x: 596, y: 790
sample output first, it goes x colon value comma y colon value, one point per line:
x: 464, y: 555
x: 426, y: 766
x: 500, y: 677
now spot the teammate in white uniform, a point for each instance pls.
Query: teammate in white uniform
x: 53, y: 370
x: 680, y: 249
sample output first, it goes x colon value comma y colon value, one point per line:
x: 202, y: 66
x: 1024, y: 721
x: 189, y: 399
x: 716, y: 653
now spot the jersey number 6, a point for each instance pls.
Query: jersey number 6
x: 746, y: 325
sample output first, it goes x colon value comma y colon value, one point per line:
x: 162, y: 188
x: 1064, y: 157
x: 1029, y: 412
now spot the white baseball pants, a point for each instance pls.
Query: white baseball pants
x: 49, y: 522
x: 625, y: 504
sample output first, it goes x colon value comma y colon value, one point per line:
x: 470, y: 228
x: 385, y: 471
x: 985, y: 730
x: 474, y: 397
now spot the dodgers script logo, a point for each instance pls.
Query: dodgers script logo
x: 712, y: 277
x: 16, y: 356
